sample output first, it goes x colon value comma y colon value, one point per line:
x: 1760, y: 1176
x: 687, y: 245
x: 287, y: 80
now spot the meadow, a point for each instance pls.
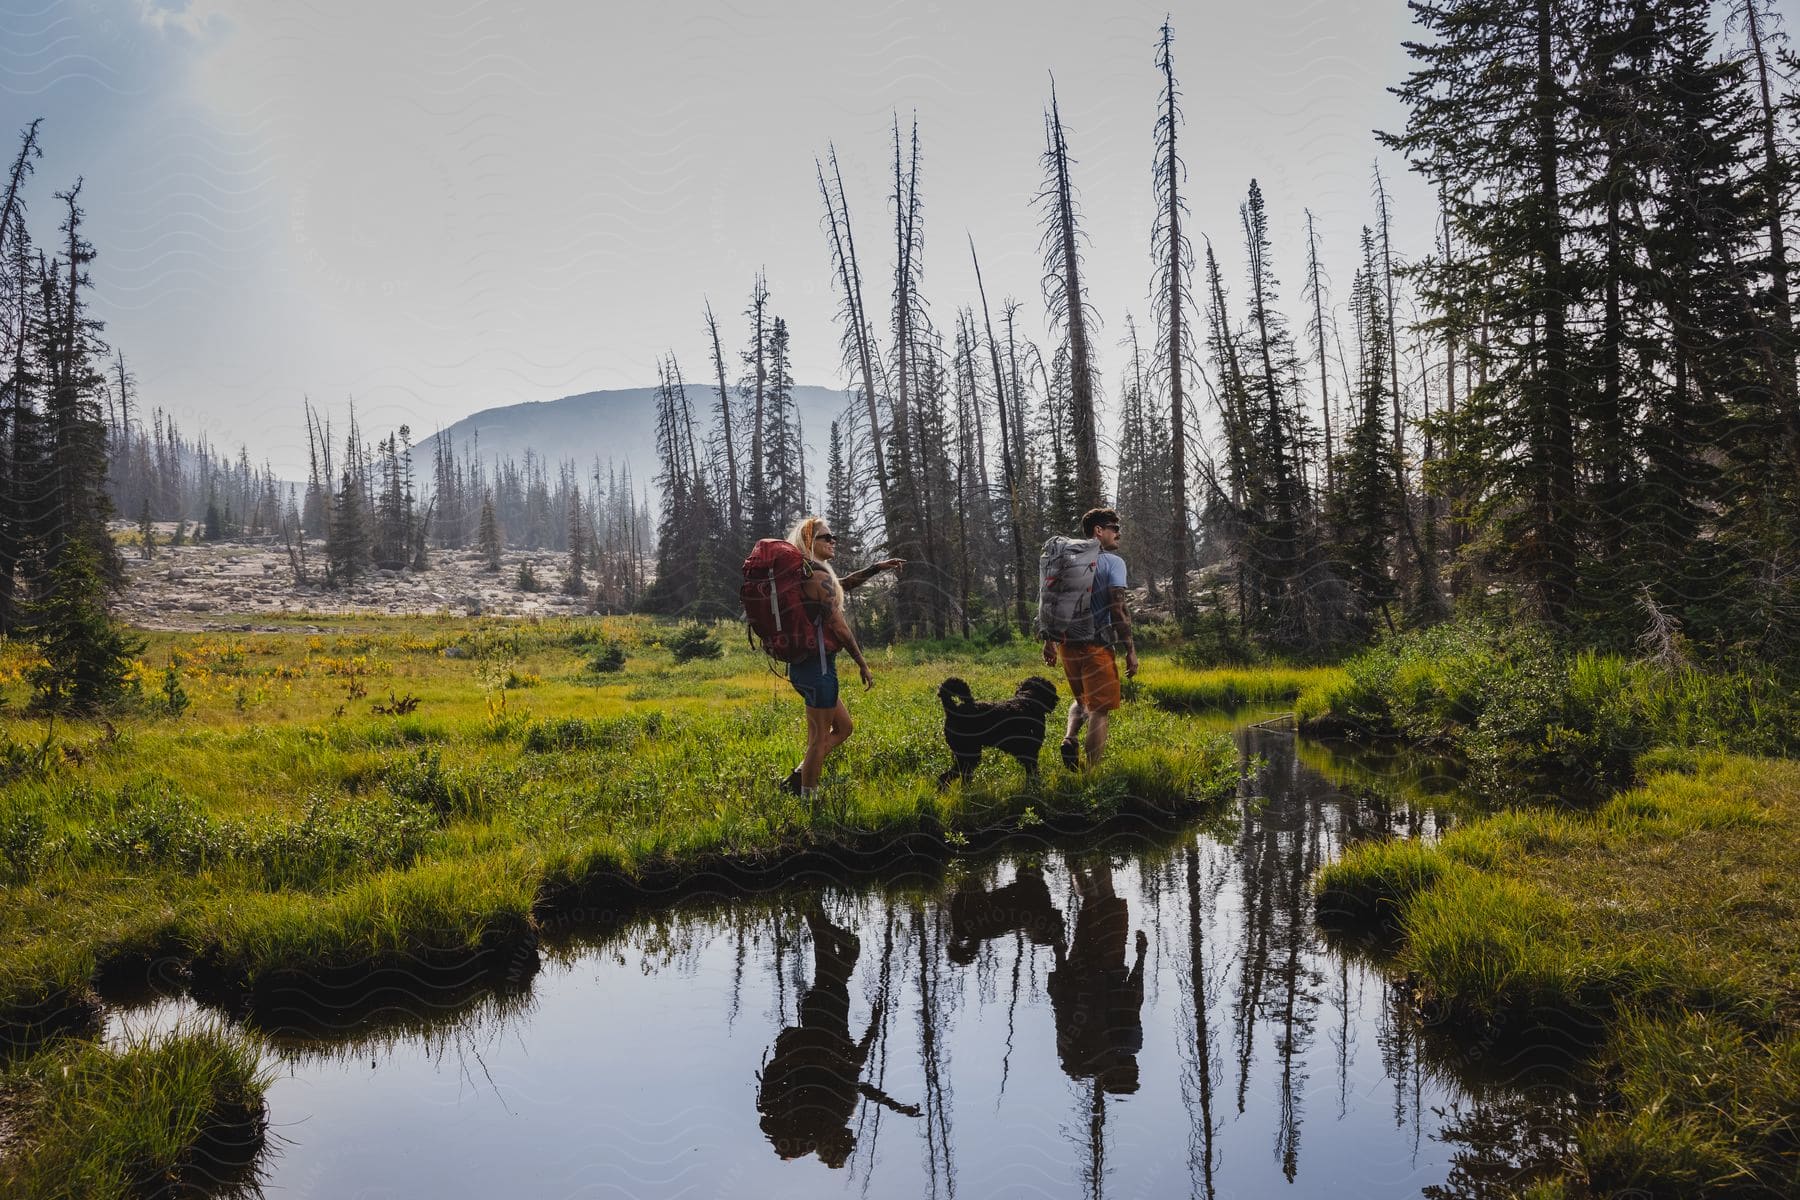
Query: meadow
x: 295, y: 812
x: 313, y: 806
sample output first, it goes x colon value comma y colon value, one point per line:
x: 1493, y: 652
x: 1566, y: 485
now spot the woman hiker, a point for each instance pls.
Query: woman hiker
x: 828, y: 723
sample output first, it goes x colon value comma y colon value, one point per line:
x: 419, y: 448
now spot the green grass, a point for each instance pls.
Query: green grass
x: 1184, y: 689
x: 180, y: 1115
x: 1666, y: 923
x: 1705, y: 1110
x: 279, y: 828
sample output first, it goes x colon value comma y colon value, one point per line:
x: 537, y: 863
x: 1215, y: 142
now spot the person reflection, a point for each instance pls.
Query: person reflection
x: 1098, y: 1001
x: 810, y: 1085
x: 978, y: 915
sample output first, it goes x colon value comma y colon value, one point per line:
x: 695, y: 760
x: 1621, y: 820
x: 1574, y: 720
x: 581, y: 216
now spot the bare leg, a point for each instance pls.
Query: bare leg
x: 1077, y: 718
x: 826, y: 730
x: 818, y: 744
x: 1098, y: 724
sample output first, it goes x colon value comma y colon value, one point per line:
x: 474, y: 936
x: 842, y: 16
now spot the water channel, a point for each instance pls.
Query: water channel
x: 1149, y: 1015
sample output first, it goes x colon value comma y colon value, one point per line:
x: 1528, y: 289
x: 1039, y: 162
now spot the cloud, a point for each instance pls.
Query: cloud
x: 194, y: 18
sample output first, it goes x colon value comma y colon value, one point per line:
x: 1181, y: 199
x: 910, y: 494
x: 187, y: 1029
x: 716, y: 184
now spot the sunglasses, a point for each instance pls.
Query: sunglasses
x: 825, y: 537
x: 1114, y: 527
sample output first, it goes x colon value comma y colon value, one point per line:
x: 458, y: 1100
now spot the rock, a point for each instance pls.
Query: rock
x: 456, y: 652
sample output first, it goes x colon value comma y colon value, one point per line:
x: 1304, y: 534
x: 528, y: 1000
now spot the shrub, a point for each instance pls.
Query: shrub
x: 692, y: 640
x: 608, y: 659
x: 1533, y: 719
x: 175, y: 697
x: 527, y: 580
x: 23, y: 836
x: 423, y: 780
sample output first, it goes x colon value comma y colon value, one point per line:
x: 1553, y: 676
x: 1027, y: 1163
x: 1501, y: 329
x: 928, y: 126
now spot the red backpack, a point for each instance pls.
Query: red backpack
x: 774, y: 603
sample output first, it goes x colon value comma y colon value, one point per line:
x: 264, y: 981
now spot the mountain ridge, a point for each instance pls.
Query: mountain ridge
x: 611, y: 425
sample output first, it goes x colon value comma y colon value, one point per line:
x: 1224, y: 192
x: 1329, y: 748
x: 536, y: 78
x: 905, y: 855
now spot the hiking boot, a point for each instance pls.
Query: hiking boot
x: 1071, y: 754
x: 791, y: 785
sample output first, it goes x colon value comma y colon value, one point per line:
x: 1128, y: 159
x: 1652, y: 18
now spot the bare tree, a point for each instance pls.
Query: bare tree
x: 1009, y: 448
x: 736, y: 512
x: 1171, y: 292
x: 1068, y: 309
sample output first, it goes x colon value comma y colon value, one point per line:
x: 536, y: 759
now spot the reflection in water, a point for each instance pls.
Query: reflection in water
x: 810, y: 1087
x: 1098, y: 1000
x: 1087, y: 1057
x: 978, y: 915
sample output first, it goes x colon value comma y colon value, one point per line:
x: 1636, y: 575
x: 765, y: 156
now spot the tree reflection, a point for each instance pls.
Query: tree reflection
x: 810, y: 1086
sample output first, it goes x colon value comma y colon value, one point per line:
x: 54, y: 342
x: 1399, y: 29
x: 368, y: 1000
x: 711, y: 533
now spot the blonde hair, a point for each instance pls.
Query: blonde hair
x: 802, y: 535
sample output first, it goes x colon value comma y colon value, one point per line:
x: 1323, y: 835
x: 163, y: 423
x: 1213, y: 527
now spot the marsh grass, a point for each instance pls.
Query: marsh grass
x: 1665, y: 924
x: 1184, y: 689
x: 1704, y: 1109
x: 181, y: 1115
x: 248, y: 843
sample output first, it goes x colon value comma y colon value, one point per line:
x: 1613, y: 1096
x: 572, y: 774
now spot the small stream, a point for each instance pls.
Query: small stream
x: 1154, y: 1016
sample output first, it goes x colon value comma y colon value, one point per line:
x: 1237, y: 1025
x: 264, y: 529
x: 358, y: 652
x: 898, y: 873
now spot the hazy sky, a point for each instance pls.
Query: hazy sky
x: 438, y: 208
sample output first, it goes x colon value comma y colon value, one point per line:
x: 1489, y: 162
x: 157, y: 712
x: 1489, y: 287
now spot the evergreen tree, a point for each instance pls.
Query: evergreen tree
x: 489, y: 535
x: 87, y: 656
x: 1365, y: 501
x: 146, y: 531
x: 1489, y: 121
x: 575, y: 580
x: 347, y: 547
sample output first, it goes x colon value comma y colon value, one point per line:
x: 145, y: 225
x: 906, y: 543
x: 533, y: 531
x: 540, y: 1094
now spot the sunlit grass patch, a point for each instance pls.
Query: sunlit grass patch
x: 467, y: 906
x: 179, y: 1114
x: 1183, y: 689
x: 1373, y: 881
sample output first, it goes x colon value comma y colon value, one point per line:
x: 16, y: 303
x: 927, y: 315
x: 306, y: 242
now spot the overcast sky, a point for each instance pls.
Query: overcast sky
x: 438, y: 208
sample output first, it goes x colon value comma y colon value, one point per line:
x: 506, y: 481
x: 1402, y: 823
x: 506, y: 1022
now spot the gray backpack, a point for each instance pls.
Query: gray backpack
x: 1066, y: 569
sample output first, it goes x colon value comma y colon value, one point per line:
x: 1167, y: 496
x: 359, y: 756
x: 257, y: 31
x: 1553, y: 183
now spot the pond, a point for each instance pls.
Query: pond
x: 1144, y: 1015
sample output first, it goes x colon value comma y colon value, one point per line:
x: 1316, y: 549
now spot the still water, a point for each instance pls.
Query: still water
x: 1141, y: 1017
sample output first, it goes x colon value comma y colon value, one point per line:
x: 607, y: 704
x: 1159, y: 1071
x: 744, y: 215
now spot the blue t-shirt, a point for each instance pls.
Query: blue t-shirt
x: 1109, y: 573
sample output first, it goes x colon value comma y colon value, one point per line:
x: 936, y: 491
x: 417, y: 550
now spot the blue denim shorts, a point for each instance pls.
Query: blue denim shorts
x: 816, y: 683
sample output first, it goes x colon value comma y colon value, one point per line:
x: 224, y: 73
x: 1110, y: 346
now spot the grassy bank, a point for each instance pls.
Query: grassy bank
x: 180, y: 1116
x: 425, y: 789
x: 1662, y: 928
x: 1535, y: 720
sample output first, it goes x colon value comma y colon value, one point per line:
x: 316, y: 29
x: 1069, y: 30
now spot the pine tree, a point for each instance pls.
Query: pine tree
x: 489, y: 536
x: 87, y: 665
x: 575, y: 580
x: 146, y: 531
x: 347, y: 547
x: 1510, y: 61
x: 1365, y: 501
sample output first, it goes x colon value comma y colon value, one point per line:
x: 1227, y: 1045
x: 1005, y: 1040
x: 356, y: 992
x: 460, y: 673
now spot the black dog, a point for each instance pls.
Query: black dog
x: 1014, y: 726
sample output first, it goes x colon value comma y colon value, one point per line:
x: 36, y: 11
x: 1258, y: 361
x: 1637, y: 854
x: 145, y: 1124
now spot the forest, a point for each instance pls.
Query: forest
x: 1578, y: 403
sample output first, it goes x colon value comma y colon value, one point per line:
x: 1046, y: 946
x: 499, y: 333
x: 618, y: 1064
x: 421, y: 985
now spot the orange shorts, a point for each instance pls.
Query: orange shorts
x: 1093, y: 675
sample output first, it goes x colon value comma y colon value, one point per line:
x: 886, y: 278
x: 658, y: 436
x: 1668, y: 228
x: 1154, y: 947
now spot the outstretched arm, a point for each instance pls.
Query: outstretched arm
x: 856, y: 579
x: 882, y: 1098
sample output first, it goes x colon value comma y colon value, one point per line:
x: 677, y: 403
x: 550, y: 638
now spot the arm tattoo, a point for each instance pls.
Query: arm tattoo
x: 855, y: 579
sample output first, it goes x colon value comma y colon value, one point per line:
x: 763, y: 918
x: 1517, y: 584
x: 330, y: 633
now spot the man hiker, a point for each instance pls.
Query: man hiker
x: 1089, y: 664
